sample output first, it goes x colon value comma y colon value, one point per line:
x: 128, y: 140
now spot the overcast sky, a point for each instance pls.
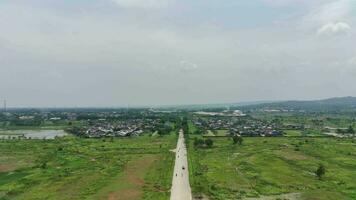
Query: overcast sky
x: 162, y: 52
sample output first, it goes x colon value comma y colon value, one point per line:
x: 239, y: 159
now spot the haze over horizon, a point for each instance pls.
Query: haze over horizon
x: 168, y: 52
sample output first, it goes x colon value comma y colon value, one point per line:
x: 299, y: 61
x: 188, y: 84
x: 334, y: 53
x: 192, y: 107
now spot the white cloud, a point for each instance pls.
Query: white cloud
x: 145, y: 4
x: 334, y: 29
x: 187, y: 66
x: 352, y: 61
x: 331, y: 12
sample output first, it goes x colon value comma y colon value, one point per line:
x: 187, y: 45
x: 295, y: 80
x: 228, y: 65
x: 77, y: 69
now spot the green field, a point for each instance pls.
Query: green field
x: 73, y: 168
x: 221, y: 133
x: 267, y: 167
x: 293, y: 133
x: 192, y: 127
x: 306, y: 133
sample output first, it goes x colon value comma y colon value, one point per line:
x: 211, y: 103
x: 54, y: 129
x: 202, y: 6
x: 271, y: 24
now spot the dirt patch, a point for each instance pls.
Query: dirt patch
x: 7, y: 168
x: 133, y: 179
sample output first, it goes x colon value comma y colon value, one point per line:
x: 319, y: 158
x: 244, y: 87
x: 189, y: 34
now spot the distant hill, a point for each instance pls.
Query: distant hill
x: 210, y: 107
x: 331, y: 104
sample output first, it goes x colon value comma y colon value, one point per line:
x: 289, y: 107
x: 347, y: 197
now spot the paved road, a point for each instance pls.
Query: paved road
x: 180, y: 184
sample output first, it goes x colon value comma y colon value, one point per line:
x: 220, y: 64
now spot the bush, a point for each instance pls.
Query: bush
x: 203, y: 143
x: 209, y: 142
x: 320, y: 172
x: 237, y: 140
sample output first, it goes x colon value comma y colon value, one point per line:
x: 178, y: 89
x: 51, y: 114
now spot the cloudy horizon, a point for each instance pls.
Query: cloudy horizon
x: 167, y: 52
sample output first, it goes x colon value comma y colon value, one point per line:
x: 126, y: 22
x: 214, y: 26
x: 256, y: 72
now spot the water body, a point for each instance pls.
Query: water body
x: 32, y: 134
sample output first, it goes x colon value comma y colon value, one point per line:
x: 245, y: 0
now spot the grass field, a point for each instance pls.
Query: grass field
x: 192, y: 127
x: 222, y: 132
x: 263, y: 168
x: 306, y: 133
x: 72, y: 168
x: 217, y: 133
x: 292, y: 133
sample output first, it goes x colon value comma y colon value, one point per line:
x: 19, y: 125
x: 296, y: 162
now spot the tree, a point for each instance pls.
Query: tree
x: 320, y: 171
x: 198, y: 142
x: 237, y: 139
x: 209, y: 142
x: 340, y: 131
x: 198, y: 131
x: 351, y: 130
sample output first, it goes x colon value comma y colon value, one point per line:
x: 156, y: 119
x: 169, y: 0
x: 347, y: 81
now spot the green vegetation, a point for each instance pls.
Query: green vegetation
x: 293, y: 133
x: 320, y: 172
x: 76, y: 168
x: 222, y: 132
x: 192, y: 128
x: 274, y: 166
x: 237, y: 140
x: 201, y: 143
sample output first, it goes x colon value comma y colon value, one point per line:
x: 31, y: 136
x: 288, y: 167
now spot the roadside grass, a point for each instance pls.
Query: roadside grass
x: 75, y: 168
x: 192, y: 127
x: 274, y: 166
x: 158, y: 179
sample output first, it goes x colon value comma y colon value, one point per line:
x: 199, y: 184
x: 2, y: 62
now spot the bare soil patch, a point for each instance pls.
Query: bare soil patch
x: 7, y: 167
x: 133, y: 179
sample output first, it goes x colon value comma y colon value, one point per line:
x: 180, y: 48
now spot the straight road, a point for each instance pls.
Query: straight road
x: 180, y: 184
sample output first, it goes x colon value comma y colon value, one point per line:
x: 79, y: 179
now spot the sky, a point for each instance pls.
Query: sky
x: 167, y: 52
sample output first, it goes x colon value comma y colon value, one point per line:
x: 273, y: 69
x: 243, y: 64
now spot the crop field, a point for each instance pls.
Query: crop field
x: 73, y: 168
x: 274, y: 168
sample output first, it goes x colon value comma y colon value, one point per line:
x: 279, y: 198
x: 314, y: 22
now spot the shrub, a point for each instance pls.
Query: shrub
x: 320, y: 172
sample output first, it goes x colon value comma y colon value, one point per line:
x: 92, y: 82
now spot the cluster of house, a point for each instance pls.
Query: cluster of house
x: 125, y: 128
x: 266, y: 130
x: 108, y: 130
x: 46, y: 116
x: 239, y: 126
